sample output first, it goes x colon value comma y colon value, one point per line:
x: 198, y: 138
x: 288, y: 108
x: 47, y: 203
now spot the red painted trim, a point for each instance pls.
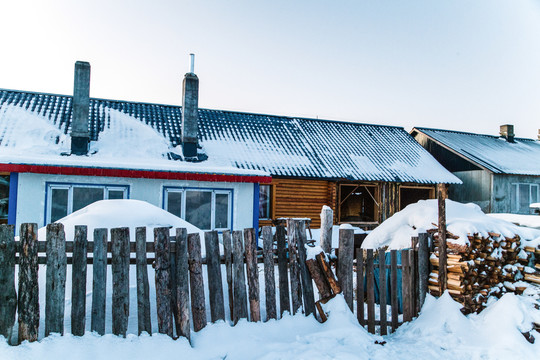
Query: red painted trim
x: 147, y: 174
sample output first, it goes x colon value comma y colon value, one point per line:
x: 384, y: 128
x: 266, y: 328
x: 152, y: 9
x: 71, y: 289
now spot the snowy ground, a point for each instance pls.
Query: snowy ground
x: 440, y: 332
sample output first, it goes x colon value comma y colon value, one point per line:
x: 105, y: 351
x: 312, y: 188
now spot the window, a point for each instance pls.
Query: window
x: 357, y: 203
x: 521, y: 196
x: 207, y: 209
x: 412, y: 194
x: 4, y: 198
x: 64, y: 199
x: 265, y: 202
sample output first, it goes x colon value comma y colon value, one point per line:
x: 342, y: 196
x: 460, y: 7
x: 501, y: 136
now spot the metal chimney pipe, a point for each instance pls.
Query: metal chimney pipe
x: 80, y: 133
x: 190, y: 113
x: 192, y: 67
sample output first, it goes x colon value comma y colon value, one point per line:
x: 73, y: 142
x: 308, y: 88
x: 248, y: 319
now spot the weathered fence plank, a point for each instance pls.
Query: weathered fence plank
x: 345, y: 264
x: 78, y: 289
x: 120, y: 279
x: 325, y: 267
x: 252, y: 275
x: 360, y: 293
x: 423, y: 268
x: 99, y: 281
x: 163, y: 281
x: 305, y: 277
x: 196, y: 283
x: 327, y: 222
x: 182, y: 283
x: 144, y: 322
x: 227, y: 250
x: 239, y: 278
x: 406, y: 285
x: 294, y: 269
x: 55, y: 287
x: 284, y: 298
x: 213, y: 267
x: 394, y: 288
x: 8, y: 295
x: 382, y: 292
x: 269, y: 278
x: 28, y: 300
x: 370, y: 288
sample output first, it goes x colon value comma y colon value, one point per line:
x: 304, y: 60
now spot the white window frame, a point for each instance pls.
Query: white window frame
x: 228, y: 192
x: 70, y: 187
x: 531, y: 200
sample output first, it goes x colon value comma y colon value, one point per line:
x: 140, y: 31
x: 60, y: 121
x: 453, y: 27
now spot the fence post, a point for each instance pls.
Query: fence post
x: 196, y: 283
x: 327, y: 222
x: 55, y: 287
x: 99, y: 281
x: 163, y: 280
x: 360, y: 286
x: 8, y: 295
x: 406, y: 285
x: 284, y: 299
x: 296, y: 290
x: 144, y: 322
x: 227, y: 249
x: 305, y: 277
x: 78, y: 289
x: 213, y: 268
x: 370, y: 288
x: 269, y: 278
x: 345, y: 264
x: 382, y: 291
x: 120, y: 280
x: 182, y: 284
x: 239, y: 279
x: 423, y: 268
x: 252, y: 274
x: 441, y: 196
x: 28, y: 301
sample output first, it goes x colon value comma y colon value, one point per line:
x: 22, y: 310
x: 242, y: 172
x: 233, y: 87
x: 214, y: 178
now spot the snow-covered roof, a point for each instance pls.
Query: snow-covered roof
x: 490, y: 152
x: 277, y: 145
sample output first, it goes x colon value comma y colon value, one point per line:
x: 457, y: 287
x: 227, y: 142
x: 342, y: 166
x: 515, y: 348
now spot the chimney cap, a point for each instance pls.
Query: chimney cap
x: 192, y: 63
x: 507, y: 132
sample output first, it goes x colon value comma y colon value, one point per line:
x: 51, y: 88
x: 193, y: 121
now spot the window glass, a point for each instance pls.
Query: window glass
x: 524, y: 198
x: 265, y: 198
x: 174, y: 203
x: 222, y: 211
x: 59, y: 203
x: 199, y: 208
x: 513, y: 198
x: 357, y: 203
x: 116, y: 194
x: 4, y: 197
x: 534, y: 193
x: 84, y: 196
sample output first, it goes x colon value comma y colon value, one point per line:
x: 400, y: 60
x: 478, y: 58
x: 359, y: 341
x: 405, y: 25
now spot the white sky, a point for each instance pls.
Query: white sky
x: 464, y: 65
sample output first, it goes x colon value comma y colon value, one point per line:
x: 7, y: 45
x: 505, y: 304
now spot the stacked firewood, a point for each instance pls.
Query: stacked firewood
x: 488, y: 266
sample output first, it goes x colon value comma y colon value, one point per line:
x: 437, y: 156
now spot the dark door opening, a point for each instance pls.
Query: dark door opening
x: 410, y: 195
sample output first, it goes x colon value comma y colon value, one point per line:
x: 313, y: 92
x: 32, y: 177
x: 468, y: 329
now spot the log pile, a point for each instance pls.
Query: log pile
x: 488, y: 266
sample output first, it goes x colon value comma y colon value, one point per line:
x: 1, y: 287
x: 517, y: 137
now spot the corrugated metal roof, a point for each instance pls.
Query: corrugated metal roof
x: 282, y: 146
x: 494, y: 153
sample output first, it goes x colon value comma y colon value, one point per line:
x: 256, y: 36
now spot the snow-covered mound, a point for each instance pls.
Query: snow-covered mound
x: 123, y: 213
x: 522, y: 220
x: 461, y: 220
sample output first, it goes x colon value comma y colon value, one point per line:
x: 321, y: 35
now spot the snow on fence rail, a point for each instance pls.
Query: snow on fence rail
x: 179, y: 282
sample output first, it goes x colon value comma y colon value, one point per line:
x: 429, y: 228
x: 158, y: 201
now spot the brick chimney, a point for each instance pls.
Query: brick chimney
x: 190, y: 113
x: 80, y: 134
x: 507, y: 132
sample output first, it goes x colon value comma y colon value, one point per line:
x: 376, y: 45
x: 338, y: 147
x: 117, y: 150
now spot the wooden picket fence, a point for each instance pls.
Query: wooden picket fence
x: 179, y: 283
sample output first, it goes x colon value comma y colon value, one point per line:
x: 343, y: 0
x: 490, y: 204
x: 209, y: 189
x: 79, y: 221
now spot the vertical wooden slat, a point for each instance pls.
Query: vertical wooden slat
x: 99, y: 281
x: 305, y: 277
x: 182, y: 283
x: 284, y: 299
x: 441, y: 196
x: 423, y: 268
x: 144, y: 322
x: 163, y: 280
x: 28, y: 300
x: 382, y: 292
x: 172, y: 283
x: 213, y: 267
x: 296, y: 290
x: 239, y: 278
x: 370, y: 288
x: 55, y: 287
x: 414, y: 278
x: 394, y: 289
x: 405, y: 285
x: 360, y: 294
x: 120, y: 280
x: 269, y: 278
x: 196, y: 283
x: 78, y: 289
x: 327, y: 222
x: 345, y: 264
x: 8, y: 295
x: 227, y: 249
x: 252, y: 274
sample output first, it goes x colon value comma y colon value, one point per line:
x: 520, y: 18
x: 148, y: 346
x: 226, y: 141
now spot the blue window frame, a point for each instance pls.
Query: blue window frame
x: 206, y: 208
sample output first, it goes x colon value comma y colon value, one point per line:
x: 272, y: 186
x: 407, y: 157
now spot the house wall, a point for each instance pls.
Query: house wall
x: 31, y: 197
x: 500, y: 197
x: 476, y: 188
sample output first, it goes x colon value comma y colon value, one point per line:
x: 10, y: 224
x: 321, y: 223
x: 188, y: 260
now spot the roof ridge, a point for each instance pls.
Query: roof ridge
x: 469, y: 133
